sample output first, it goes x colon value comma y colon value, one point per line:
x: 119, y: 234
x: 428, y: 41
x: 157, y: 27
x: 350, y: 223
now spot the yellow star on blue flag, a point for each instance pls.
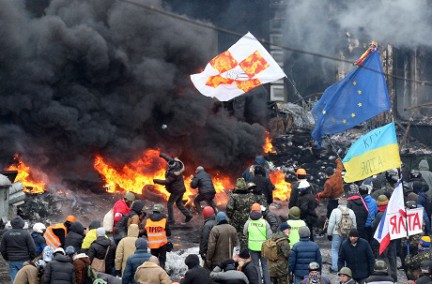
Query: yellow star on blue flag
x: 361, y: 95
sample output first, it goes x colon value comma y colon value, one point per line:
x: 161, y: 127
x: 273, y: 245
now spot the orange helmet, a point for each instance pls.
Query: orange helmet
x: 301, y: 172
x: 71, y: 218
x: 256, y: 207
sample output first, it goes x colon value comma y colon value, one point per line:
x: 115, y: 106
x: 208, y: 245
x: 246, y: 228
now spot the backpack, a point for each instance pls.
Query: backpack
x: 269, y: 249
x: 108, y: 221
x: 345, y: 224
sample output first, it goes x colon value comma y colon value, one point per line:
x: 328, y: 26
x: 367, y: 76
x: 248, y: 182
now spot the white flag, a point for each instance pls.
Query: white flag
x: 244, y: 66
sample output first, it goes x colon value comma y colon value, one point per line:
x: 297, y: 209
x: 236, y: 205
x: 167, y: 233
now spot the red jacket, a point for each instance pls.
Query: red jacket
x: 120, y: 208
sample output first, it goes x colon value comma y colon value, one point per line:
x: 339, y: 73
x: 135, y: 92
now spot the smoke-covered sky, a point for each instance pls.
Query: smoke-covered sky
x: 101, y: 76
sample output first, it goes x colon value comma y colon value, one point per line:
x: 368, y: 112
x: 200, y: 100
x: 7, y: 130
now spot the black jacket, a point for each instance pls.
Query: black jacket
x: 307, y: 204
x: 17, y: 244
x: 196, y: 275
x: 173, y: 182
x: 272, y: 219
x: 359, y: 258
x: 377, y: 277
x: 252, y: 273
x: 75, y: 236
x: 209, y: 223
x: 203, y: 182
x: 98, y: 249
x: 355, y: 204
x: 59, y: 271
x: 264, y: 185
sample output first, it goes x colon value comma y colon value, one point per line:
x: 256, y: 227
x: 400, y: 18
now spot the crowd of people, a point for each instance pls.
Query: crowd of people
x: 245, y: 243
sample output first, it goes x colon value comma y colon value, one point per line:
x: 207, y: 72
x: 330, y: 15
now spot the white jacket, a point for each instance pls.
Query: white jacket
x: 336, y: 216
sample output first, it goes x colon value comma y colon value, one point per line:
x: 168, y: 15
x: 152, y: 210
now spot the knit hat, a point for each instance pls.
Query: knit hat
x: 283, y: 226
x: 100, y: 232
x: 140, y: 243
x: 304, y: 232
x: 382, y: 200
x: 244, y: 254
x: 425, y: 241
x: 94, y: 225
x: 354, y: 233
x: 294, y: 212
x: 70, y: 250
x: 221, y: 216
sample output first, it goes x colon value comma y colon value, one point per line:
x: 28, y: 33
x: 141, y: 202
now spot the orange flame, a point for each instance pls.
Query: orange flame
x: 138, y: 177
x: 34, y: 181
x: 268, y: 146
x: 283, y: 188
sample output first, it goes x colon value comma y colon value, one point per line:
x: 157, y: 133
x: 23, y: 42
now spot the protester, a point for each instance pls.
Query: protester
x: 75, y: 236
x: 196, y: 274
x: 372, y: 209
x: 126, y: 248
x: 263, y: 183
x: 60, y: 270
x: 135, y: 216
x: 134, y: 261
x: 278, y: 269
x: 380, y: 274
x: 307, y: 204
x: 271, y: 218
x: 80, y: 262
x: 226, y: 273
x: 174, y: 184
x: 257, y: 230
x: 249, y: 173
x: 37, y: 235
x: 55, y: 234
x: 345, y: 276
x: 426, y: 270
x: 295, y: 223
x: 151, y: 272
x: 103, y: 248
x: 30, y: 273
x: 314, y: 276
x: 357, y: 255
x: 301, y: 176
x: 17, y: 246
x: 90, y: 237
x: 333, y: 186
x: 122, y: 206
x: 246, y: 266
x: 412, y: 263
x: 303, y: 253
x: 426, y: 174
x: 209, y: 223
x: 206, y: 190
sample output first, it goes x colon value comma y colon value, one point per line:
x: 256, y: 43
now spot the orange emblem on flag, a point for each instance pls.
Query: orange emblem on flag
x: 223, y: 62
x: 254, y: 64
x: 214, y: 81
x: 248, y: 85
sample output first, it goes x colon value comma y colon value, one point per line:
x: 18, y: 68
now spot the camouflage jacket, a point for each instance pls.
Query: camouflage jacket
x: 279, y: 268
x: 238, y: 208
x: 414, y: 262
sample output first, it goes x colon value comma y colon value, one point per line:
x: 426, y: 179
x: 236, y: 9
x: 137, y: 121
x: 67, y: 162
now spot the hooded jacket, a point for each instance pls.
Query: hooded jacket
x: 59, y: 271
x: 203, y: 182
x: 17, y: 244
x: 133, y: 262
x: 196, y: 274
x: 99, y: 248
x: 126, y: 247
x: 303, y: 253
x: 90, y: 237
x: 75, y: 236
x: 150, y: 272
x: 173, y: 182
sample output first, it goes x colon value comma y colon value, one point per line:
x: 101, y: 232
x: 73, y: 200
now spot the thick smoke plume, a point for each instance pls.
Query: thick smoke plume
x: 101, y: 76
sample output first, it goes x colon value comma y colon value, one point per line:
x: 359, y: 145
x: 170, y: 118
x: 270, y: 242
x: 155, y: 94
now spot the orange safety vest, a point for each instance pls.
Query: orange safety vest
x: 52, y: 239
x: 156, y: 234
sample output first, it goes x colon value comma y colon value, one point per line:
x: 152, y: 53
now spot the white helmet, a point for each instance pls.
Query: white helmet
x: 39, y: 228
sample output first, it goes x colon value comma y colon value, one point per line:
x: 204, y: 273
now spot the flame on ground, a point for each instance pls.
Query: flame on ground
x: 268, y: 146
x: 283, y: 188
x: 34, y: 181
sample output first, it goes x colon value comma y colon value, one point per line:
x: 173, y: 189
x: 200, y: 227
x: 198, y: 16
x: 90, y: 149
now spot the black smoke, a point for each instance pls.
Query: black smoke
x: 78, y: 78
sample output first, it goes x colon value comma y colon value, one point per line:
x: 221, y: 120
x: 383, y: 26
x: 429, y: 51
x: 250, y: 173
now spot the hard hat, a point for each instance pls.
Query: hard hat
x: 345, y: 271
x: 314, y: 266
x: 380, y: 266
x: 256, y: 207
x: 59, y: 250
x: 294, y: 212
x: 208, y: 211
x: 39, y: 228
x: 129, y: 196
x: 158, y: 207
x: 250, y: 185
x: 70, y: 250
x: 301, y: 172
x: 71, y: 218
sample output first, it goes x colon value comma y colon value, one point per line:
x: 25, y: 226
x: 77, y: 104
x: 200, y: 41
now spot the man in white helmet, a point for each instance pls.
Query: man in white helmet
x: 37, y: 235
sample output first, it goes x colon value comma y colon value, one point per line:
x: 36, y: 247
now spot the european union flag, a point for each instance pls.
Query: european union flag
x: 361, y: 95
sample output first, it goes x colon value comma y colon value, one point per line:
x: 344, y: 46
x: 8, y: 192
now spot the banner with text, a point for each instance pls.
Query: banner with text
x: 398, y: 223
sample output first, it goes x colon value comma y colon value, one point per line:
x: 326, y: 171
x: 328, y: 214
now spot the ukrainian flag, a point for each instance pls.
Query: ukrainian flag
x: 373, y: 153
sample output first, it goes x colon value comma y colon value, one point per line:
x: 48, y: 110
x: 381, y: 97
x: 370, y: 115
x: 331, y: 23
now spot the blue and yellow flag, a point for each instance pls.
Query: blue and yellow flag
x: 373, y: 153
x: 361, y: 95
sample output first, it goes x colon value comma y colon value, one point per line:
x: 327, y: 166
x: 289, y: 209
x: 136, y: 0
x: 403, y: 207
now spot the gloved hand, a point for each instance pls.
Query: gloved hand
x: 117, y: 273
x: 330, y: 237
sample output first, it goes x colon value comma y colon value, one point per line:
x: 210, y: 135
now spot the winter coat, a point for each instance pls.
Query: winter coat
x: 203, y: 182
x: 358, y: 258
x: 173, y: 182
x: 426, y: 175
x: 303, y: 253
x: 17, y: 243
x: 423, y: 280
x: 265, y: 186
x: 28, y: 274
x: 221, y: 243
x: 307, y: 204
x: 356, y: 204
x: 228, y: 277
x: 209, y: 223
x: 252, y: 273
x: 256, y: 215
x: 126, y: 247
x: 120, y: 209
x: 196, y: 274
x: 378, y: 217
x: 249, y: 173
x: 150, y: 272
x: 279, y: 268
x: 89, y: 238
x: 59, y: 271
x: 333, y: 186
x: 39, y: 241
x: 373, y: 209
x: 139, y: 257
x: 379, y: 278
x: 99, y: 248
x: 75, y: 236
x: 80, y: 263
x: 294, y: 193
x: 272, y: 219
x: 335, y: 217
